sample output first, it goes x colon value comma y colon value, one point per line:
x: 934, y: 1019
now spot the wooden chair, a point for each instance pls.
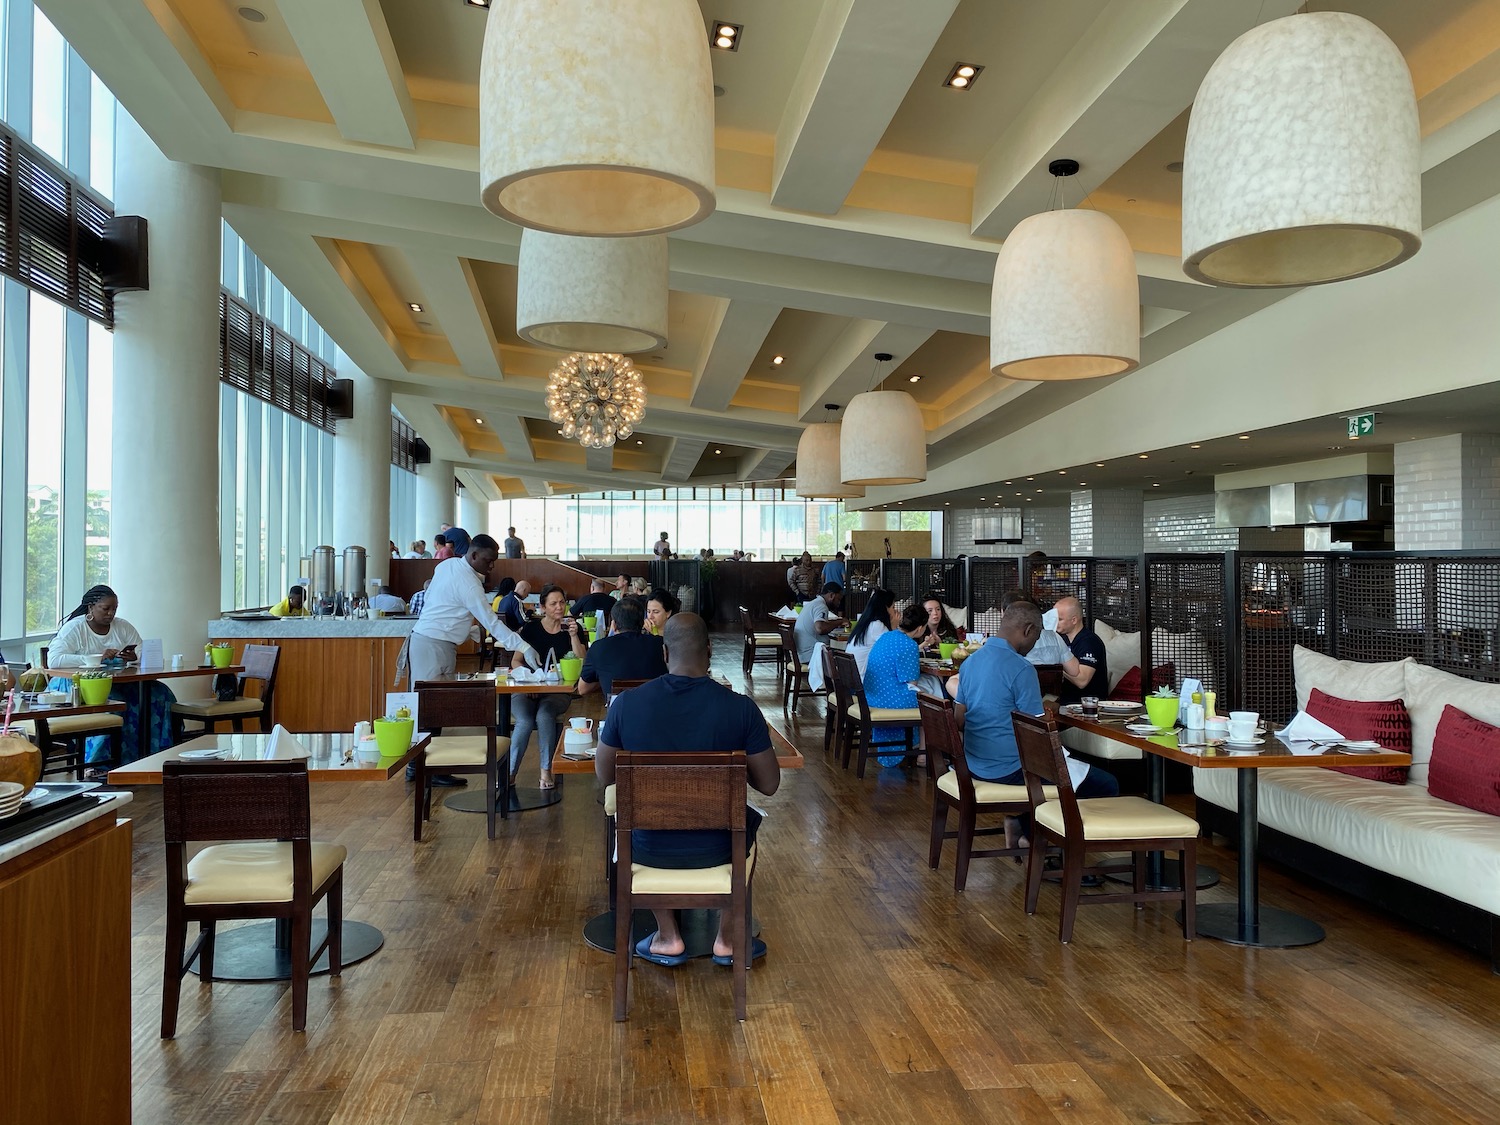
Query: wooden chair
x: 761, y: 646
x: 260, y: 662
x: 794, y: 683
x: 956, y: 789
x: 831, y: 711
x: 64, y: 742
x: 469, y: 703
x: 703, y: 791
x: 857, y: 719
x: 1097, y: 824
x: 270, y: 869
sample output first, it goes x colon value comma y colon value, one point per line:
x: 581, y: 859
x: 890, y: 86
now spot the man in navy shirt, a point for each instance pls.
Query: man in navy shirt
x: 626, y: 654
x: 1092, y: 676
x: 687, y: 711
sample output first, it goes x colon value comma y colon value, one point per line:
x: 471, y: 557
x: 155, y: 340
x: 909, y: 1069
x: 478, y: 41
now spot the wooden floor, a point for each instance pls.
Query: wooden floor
x: 885, y: 998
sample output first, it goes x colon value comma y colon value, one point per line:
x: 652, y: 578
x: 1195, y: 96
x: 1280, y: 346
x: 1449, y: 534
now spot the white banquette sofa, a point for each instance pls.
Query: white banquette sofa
x: 1398, y: 830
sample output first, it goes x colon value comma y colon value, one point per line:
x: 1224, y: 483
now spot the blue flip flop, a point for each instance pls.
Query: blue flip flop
x: 757, y: 951
x: 643, y: 951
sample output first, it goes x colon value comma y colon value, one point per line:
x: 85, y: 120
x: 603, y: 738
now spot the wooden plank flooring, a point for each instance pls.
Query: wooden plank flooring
x: 886, y: 998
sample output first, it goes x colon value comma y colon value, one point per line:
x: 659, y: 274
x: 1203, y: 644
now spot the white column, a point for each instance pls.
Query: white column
x: 435, y: 501
x: 473, y: 514
x: 362, y: 472
x: 165, y: 463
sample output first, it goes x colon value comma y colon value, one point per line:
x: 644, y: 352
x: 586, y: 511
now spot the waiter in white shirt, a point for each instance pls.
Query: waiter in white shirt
x: 454, y: 600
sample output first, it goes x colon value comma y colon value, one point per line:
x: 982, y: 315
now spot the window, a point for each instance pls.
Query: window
x: 101, y: 362
x: 44, y: 470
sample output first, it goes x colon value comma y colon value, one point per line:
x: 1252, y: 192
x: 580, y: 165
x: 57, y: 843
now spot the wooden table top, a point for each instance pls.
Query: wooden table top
x: 787, y: 755
x: 133, y: 674
x: 23, y: 712
x: 1272, y: 753
x: 325, y: 757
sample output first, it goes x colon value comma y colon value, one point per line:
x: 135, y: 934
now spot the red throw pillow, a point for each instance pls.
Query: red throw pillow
x: 1465, y: 767
x: 1129, y: 686
x: 1385, y: 722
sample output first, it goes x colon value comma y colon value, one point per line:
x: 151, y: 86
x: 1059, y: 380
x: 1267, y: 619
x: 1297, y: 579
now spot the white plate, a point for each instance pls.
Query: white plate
x: 1119, y: 706
x: 1235, y: 744
x: 1142, y: 728
x: 1369, y: 745
x: 211, y: 754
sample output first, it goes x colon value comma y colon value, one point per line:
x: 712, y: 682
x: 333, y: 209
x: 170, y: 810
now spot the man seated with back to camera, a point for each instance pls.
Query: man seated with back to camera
x: 995, y: 681
x: 626, y: 654
x: 686, y: 711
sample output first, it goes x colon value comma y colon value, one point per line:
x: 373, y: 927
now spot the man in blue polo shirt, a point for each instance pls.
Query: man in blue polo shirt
x: 626, y: 654
x: 687, y: 711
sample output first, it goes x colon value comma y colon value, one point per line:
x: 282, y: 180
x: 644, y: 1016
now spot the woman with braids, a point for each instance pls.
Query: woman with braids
x: 95, y: 629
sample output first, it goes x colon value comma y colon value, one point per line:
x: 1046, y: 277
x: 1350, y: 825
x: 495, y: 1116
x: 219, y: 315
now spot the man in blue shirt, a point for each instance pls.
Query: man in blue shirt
x: 687, y: 711
x: 626, y: 654
x: 834, y: 570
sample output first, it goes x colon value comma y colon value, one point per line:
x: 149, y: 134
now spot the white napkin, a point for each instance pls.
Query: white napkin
x: 1077, y: 770
x: 784, y: 611
x: 1305, y: 728
x: 283, y: 747
x: 815, y: 669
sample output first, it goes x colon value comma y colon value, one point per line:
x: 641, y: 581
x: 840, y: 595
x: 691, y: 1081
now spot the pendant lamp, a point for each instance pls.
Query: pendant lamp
x: 819, y: 462
x: 883, y: 440
x: 1303, y: 157
x: 596, y: 117
x: 592, y: 294
x: 1066, y: 302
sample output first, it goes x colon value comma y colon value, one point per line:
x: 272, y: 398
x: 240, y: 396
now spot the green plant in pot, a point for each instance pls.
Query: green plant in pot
x: 393, y: 734
x: 569, y: 667
x: 1161, y: 707
x: 221, y: 653
x: 94, y: 686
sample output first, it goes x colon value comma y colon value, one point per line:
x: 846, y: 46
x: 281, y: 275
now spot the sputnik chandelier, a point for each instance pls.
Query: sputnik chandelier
x: 597, y: 397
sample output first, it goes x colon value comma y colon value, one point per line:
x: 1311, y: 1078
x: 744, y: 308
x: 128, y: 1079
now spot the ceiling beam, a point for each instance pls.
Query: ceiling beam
x: 681, y: 459
x: 862, y: 59
x: 600, y: 460
x: 511, y: 429
x: 453, y: 300
x: 1135, y: 69
x: 736, y: 334
x: 536, y: 487
x: 849, y: 363
x: 764, y: 464
x: 348, y: 49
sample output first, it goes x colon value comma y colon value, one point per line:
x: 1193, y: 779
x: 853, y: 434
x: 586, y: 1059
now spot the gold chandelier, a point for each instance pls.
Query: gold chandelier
x: 597, y: 397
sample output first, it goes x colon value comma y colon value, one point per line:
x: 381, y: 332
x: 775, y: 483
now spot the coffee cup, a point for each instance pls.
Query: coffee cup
x: 581, y: 725
x: 1216, y: 728
x: 1244, y: 717
x: 1240, y: 730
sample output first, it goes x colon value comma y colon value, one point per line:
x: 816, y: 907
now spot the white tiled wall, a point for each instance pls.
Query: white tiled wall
x: 1448, y: 493
x: 1106, y: 522
x: 1042, y: 529
x: 1186, y: 524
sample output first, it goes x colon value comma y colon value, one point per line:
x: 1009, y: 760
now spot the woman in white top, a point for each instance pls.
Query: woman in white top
x: 879, y: 617
x: 95, y: 629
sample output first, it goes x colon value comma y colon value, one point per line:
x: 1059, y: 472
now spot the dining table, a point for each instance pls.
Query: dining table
x: 23, y: 710
x: 142, y: 679
x: 261, y: 951
x: 1245, y: 921
x: 522, y: 798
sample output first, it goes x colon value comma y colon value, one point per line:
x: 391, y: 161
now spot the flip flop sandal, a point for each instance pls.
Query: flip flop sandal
x: 666, y: 961
x: 757, y: 951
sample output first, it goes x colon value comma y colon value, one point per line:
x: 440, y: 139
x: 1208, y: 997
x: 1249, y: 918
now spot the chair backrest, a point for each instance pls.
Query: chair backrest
x: 235, y: 801
x: 848, y: 686
x: 464, y: 703
x: 261, y: 662
x: 1043, y: 763
x: 828, y: 675
x: 701, y: 790
x: 747, y: 621
x: 617, y: 686
x: 945, y: 742
x: 1050, y: 678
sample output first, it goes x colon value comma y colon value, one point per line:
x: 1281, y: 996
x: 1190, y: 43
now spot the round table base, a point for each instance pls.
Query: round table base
x: 522, y: 799
x: 1171, y: 877
x: 250, y: 953
x: 1278, y: 929
x: 699, y: 927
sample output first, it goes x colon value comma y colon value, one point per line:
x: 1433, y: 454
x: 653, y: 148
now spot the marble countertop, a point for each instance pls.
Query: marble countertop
x: 227, y: 628
x: 12, y: 848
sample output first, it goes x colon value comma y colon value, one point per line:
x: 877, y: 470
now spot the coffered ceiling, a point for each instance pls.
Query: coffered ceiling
x: 860, y: 202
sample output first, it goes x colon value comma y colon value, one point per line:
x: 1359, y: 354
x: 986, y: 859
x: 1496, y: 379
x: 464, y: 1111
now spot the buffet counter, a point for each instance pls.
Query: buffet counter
x: 333, y: 671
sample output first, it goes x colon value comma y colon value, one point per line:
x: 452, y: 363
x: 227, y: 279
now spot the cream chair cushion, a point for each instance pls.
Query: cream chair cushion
x: 609, y: 800
x: 768, y: 640
x: 213, y: 708
x: 888, y: 714
x: 992, y: 792
x: 1120, y: 818
x: 451, y: 750
x: 253, y: 872
x: 688, y: 881
x: 83, y: 724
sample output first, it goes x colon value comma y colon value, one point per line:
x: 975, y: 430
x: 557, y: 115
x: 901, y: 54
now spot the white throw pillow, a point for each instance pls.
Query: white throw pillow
x: 1106, y: 631
x: 1427, y: 692
x: 1123, y: 652
x: 957, y: 616
x: 1350, y: 679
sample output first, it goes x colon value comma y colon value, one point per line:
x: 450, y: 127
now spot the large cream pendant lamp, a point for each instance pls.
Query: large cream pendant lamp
x: 1066, y: 302
x: 819, y: 463
x: 596, y: 117
x: 592, y: 294
x: 883, y: 440
x: 1302, y: 163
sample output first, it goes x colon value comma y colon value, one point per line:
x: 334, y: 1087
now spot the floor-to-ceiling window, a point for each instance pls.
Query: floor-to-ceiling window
x: 56, y: 365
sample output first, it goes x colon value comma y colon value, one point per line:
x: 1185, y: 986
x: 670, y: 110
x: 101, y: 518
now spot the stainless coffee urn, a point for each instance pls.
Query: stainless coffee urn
x: 323, y: 588
x: 354, y: 576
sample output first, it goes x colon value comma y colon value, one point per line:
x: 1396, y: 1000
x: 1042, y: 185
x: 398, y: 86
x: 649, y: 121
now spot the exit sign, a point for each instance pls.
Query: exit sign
x: 1361, y: 425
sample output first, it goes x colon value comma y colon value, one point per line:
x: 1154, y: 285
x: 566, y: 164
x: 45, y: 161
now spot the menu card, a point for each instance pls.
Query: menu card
x: 395, y: 700
x: 149, y: 654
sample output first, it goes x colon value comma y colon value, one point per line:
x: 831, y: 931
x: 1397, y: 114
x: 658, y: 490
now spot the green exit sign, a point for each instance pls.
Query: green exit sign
x: 1361, y: 425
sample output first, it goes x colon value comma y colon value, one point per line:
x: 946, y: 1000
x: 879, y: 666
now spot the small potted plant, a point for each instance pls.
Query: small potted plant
x: 1161, y: 707
x: 393, y: 734
x: 94, y: 685
x: 221, y: 653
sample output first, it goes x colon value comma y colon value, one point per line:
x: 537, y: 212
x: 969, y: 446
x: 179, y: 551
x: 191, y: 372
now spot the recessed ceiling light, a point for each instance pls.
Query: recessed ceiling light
x: 477, y: 3
x: 638, y: 441
x: 1031, y: 478
x: 1156, y: 486
x: 253, y: 15
x: 915, y: 379
x: 947, y: 503
x: 1098, y: 464
x: 1175, y: 166
x: 479, y: 420
x: 981, y: 497
x: 726, y: 36
x: 718, y: 451
x: 1007, y: 482
x: 777, y: 360
x: 963, y: 76
x: 1244, y: 437
x: 1062, y: 472
x: 1039, y: 490
x: 1143, y: 456
x: 1195, y: 447
x: 1082, y: 483
x: 414, y: 306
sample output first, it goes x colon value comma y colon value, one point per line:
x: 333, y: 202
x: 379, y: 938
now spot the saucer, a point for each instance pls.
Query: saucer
x: 1237, y: 744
